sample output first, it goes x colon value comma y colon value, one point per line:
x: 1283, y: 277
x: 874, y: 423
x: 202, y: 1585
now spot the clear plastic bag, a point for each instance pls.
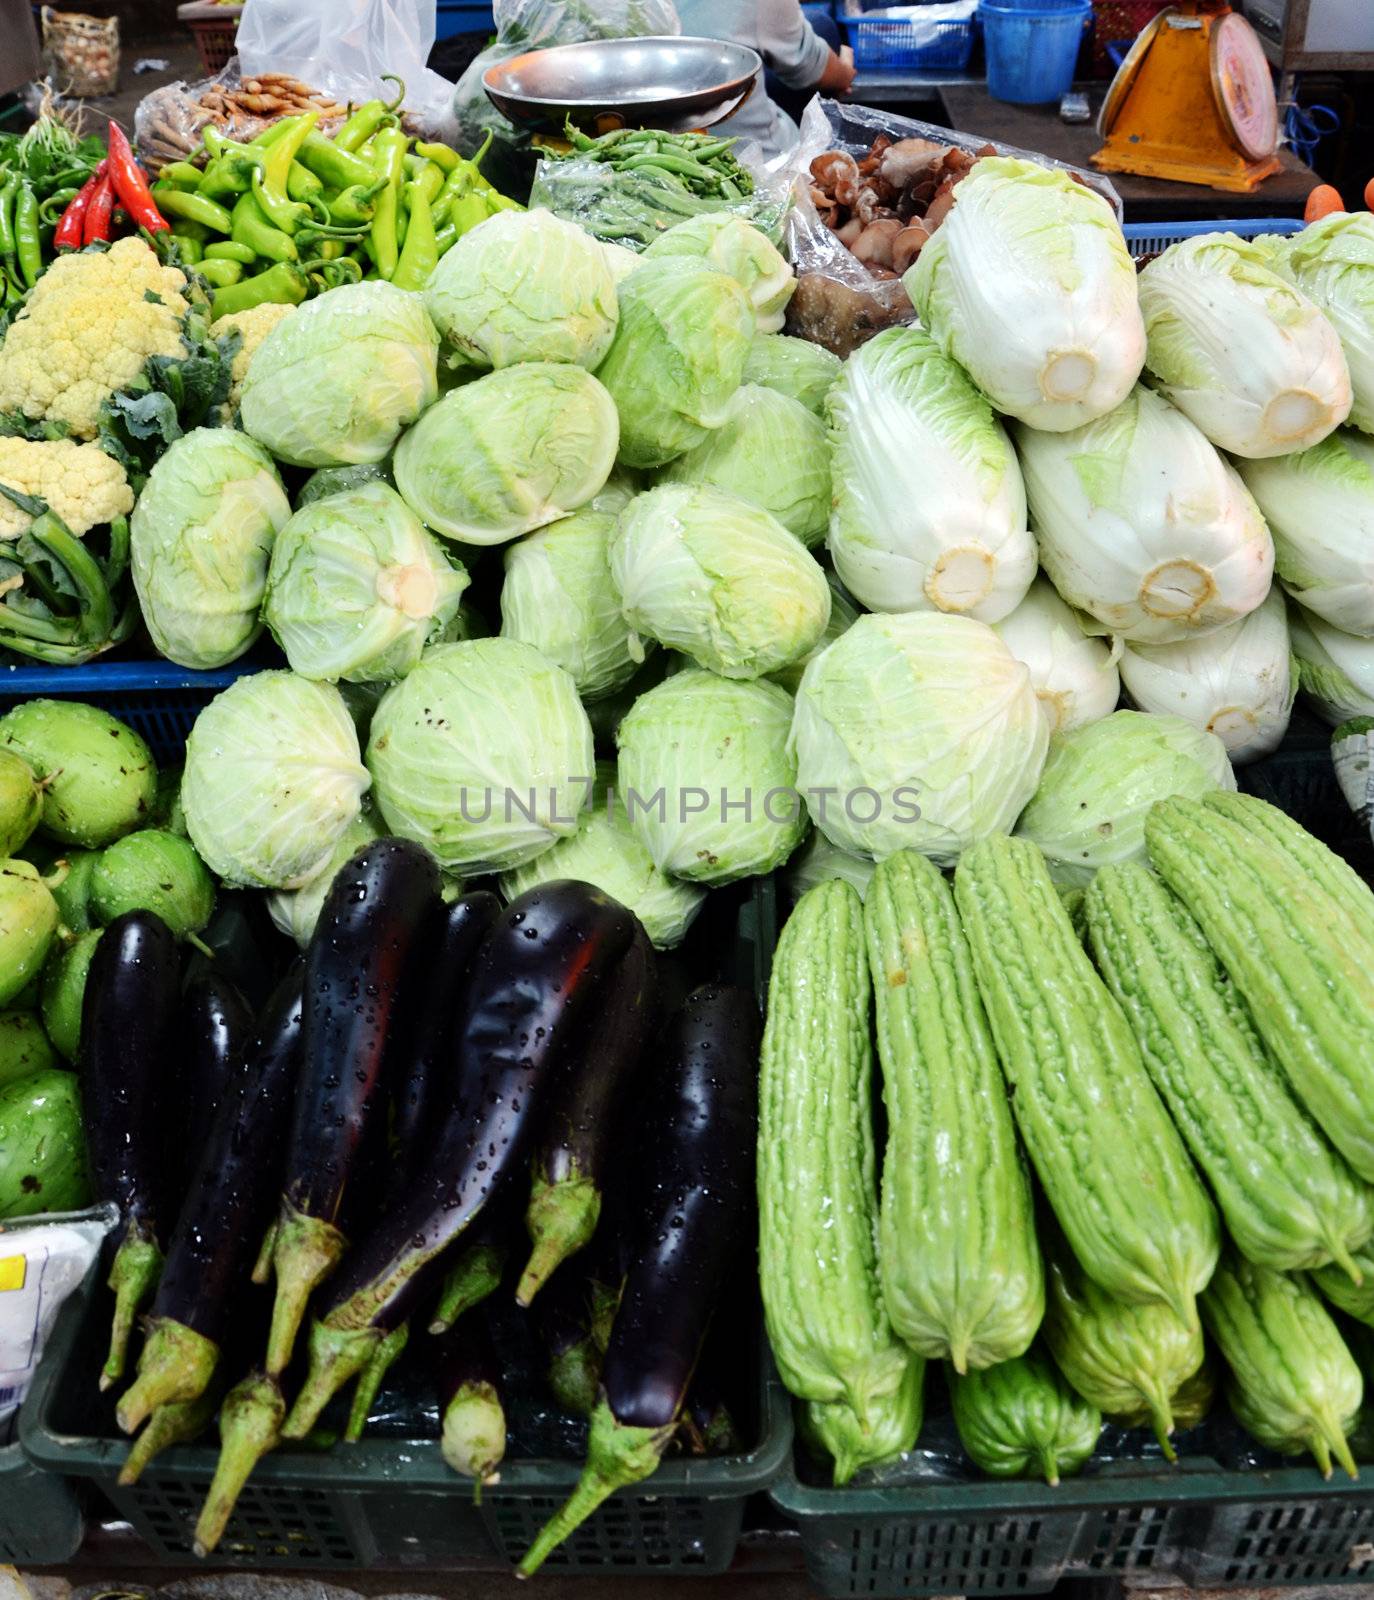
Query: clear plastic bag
x: 535, y: 25
x: 344, y: 46
x: 838, y: 302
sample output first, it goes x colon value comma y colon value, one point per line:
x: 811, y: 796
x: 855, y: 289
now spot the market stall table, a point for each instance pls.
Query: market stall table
x: 969, y: 108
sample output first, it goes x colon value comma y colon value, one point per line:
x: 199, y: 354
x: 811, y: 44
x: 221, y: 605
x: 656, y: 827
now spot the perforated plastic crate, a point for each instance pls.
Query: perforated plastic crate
x: 899, y: 39
x: 1147, y: 239
x: 158, y: 699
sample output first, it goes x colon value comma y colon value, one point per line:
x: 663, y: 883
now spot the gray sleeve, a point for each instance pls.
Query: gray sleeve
x: 789, y: 45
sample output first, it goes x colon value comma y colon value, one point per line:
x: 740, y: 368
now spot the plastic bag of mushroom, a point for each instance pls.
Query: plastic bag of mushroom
x: 870, y: 188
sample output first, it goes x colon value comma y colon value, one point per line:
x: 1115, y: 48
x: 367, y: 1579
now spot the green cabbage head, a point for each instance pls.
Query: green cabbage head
x: 731, y: 245
x: 605, y: 851
x: 559, y: 597
x: 917, y: 730
x: 273, y: 778
x: 201, y: 536
x: 483, y: 754
x: 524, y: 286
x: 794, y: 367
x: 358, y: 587
x: 509, y: 453
x: 1101, y: 780
x: 770, y: 450
x: 677, y: 357
x: 718, y: 579
x: 706, y: 777
x: 333, y: 384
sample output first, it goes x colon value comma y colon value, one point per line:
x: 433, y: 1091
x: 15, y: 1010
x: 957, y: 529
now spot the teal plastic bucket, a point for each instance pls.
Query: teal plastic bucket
x: 1032, y: 48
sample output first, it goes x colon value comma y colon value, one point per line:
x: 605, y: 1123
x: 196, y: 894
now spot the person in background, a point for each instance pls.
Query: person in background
x: 794, y: 54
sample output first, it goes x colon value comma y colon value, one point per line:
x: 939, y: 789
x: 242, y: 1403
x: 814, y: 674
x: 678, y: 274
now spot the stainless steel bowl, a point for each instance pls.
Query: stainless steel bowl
x: 670, y: 83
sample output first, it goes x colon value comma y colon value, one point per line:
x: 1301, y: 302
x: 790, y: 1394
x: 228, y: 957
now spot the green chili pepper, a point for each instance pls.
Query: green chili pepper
x: 219, y: 273
x: 330, y: 274
x: 26, y: 242
x: 191, y: 248
x: 441, y: 155
x: 228, y: 174
x: 284, y: 284
x: 445, y: 238
x: 356, y: 205
x: 194, y: 207
x: 8, y: 191
x: 270, y: 134
x: 253, y: 229
x: 421, y: 253
x: 270, y: 180
x: 360, y: 127
x: 390, y: 152
x: 302, y: 184
x: 340, y: 169
x: 56, y: 203
x: 468, y: 210
x: 181, y: 173
x: 456, y: 185
x: 431, y: 181
x: 230, y: 250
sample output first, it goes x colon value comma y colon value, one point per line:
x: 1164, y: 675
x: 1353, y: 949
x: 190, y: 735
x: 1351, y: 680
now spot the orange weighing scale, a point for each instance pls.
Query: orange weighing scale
x: 1193, y: 101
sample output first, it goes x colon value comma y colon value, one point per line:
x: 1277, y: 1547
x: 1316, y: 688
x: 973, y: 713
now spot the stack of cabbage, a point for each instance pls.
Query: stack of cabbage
x: 660, y: 465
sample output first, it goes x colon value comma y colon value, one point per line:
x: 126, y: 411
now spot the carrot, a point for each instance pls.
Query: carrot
x: 1322, y: 202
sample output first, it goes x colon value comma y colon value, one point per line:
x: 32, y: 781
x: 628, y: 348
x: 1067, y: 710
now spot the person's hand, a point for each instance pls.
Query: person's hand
x: 839, y: 72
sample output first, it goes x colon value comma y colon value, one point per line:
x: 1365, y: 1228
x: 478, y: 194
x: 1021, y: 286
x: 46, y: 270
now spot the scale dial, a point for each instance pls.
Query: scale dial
x: 1243, y: 87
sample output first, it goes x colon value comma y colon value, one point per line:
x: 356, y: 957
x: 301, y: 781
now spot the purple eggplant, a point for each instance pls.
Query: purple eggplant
x: 227, y: 1206
x: 127, y: 1017
x: 472, y: 1420
x: 539, y: 972
x: 215, y: 1027
x: 370, y: 926
x: 692, y: 1219
x: 565, y: 1202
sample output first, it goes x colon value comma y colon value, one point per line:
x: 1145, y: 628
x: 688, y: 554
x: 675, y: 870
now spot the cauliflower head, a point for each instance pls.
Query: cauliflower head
x: 252, y: 326
x: 86, y: 331
x: 83, y: 485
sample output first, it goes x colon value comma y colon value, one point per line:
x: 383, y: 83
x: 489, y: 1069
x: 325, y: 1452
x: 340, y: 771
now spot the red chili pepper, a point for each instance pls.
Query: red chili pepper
x: 98, y: 213
x: 70, y: 230
x: 131, y: 186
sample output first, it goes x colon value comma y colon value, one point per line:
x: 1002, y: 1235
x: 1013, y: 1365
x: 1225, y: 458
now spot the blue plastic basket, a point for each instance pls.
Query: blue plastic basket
x: 1147, y: 239
x: 884, y: 43
x: 158, y: 699
x: 1032, y: 47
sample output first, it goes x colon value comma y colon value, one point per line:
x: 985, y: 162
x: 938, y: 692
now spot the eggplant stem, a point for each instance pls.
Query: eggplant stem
x: 168, y: 1425
x: 379, y: 1363
x: 305, y: 1251
x: 249, y: 1426
x: 133, y: 1276
x: 474, y: 1277
x: 336, y: 1355
x: 617, y: 1457
x: 574, y: 1376
x: 174, y: 1366
x: 561, y: 1219
x: 262, y: 1267
x: 473, y: 1433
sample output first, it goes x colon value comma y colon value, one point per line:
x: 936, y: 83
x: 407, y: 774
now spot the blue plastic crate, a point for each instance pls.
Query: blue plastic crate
x: 158, y: 699
x: 1146, y: 239
x: 884, y: 43
x: 453, y: 17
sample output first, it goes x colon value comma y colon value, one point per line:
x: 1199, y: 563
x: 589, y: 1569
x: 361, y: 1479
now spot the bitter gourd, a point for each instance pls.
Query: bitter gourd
x: 1021, y: 1418
x: 957, y: 1252
x: 1127, y: 1360
x: 1288, y: 1200
x: 818, y: 1259
x: 1307, y: 854
x: 1292, y: 1382
x: 1307, y: 983
x: 1111, y: 1162
x: 1355, y: 1299
x: 1192, y: 1402
x: 895, y: 1422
